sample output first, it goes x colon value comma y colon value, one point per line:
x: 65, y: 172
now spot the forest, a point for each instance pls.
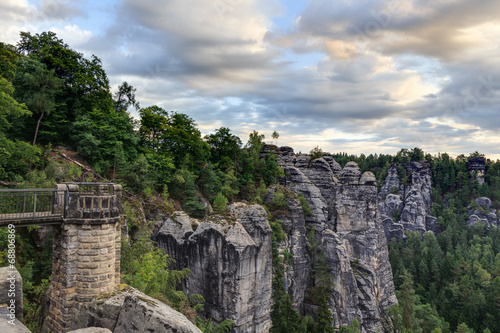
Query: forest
x: 55, y: 100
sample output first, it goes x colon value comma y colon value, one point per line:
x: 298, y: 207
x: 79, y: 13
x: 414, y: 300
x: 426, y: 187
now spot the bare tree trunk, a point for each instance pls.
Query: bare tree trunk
x: 37, y: 125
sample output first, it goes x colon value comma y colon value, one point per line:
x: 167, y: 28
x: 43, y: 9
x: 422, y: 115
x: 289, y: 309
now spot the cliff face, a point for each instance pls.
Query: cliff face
x: 349, y: 230
x: 230, y: 257
x: 407, y: 206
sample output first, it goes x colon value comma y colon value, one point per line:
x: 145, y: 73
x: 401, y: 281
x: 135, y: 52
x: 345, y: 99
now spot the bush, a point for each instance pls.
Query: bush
x: 305, y: 206
x: 279, y: 202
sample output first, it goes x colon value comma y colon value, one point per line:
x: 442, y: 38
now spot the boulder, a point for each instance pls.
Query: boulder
x: 10, y: 325
x: 128, y: 310
x: 11, y: 290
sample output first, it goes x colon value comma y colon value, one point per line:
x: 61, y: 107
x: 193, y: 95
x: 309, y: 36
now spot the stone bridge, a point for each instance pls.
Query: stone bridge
x: 87, y: 240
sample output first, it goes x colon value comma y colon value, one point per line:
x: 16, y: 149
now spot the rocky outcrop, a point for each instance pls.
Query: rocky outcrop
x: 477, y: 168
x: 293, y: 223
x: 230, y: 256
x: 231, y: 259
x: 349, y: 230
x: 407, y: 206
x: 129, y: 310
x: 358, y: 253
x: 482, y: 212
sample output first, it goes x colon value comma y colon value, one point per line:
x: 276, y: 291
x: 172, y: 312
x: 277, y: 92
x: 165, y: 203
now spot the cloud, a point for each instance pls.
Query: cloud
x: 364, y: 76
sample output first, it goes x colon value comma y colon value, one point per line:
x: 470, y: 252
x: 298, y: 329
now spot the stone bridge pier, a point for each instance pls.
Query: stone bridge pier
x: 86, y: 250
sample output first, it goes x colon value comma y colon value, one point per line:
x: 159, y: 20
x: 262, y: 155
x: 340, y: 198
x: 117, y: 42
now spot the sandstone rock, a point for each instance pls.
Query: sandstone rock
x: 299, y: 183
x: 296, y: 275
x: 350, y: 174
x: 483, y: 213
x: 129, y: 310
x: 145, y: 314
x: 368, y: 178
x: 359, y: 257
x: 230, y: 257
x: 477, y: 168
x: 9, y: 325
x: 11, y: 283
x: 334, y: 166
x: 91, y: 330
x: 412, y: 202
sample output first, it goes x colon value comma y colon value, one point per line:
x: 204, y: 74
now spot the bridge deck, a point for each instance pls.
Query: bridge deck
x: 27, y: 219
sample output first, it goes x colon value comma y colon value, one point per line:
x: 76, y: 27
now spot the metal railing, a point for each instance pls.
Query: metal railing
x: 31, y: 204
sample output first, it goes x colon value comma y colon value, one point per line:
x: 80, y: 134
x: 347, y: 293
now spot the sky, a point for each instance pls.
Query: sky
x: 358, y: 76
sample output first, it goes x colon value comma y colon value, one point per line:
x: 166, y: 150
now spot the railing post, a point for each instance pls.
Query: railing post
x: 34, y: 204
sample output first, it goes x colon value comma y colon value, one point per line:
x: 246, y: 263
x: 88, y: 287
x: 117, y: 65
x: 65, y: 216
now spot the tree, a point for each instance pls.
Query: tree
x: 36, y: 87
x: 275, y: 136
x: 154, y: 121
x: 9, y: 107
x: 8, y: 58
x: 224, y: 148
x: 85, y: 84
x: 125, y: 97
x: 220, y: 203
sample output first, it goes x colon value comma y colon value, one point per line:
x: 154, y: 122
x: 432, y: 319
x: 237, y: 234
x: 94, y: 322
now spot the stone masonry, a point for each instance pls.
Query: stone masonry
x: 86, y: 250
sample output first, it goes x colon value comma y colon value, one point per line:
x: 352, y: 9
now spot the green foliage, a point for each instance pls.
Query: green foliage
x: 394, y: 190
x: 220, y: 203
x: 37, y: 87
x: 316, y: 153
x: 17, y: 158
x: 322, y: 285
x: 207, y: 326
x: 195, y: 207
x: 278, y: 202
x: 305, y: 206
x: 138, y: 175
x: 146, y: 268
x: 277, y: 229
x: 85, y: 84
x: 353, y: 328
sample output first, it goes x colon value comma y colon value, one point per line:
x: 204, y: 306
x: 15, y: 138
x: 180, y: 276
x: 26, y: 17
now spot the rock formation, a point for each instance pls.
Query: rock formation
x: 482, y: 212
x: 407, y: 206
x: 350, y: 232
x: 230, y: 257
x: 129, y: 310
x: 477, y: 168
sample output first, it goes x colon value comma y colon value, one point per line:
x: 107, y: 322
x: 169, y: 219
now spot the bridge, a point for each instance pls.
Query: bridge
x: 86, y: 219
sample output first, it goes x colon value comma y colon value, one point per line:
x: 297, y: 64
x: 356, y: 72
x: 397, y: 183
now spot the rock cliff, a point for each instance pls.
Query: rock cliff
x: 349, y: 230
x: 230, y: 257
x: 405, y: 200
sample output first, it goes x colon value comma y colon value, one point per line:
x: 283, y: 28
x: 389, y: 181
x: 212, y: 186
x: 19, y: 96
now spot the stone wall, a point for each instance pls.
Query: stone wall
x: 86, y: 251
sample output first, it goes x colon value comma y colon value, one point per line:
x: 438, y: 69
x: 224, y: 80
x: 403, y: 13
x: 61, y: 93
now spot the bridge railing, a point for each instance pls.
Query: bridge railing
x: 27, y: 204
